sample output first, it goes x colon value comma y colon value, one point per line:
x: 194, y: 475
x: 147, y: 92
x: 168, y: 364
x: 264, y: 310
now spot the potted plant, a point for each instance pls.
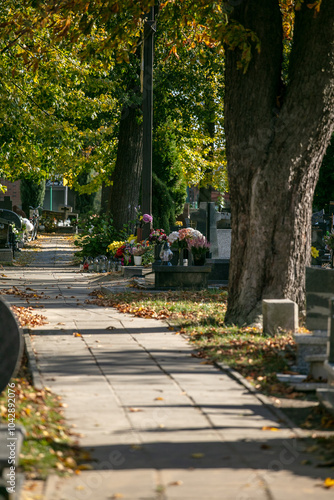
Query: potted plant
x: 138, y: 250
x: 199, y: 247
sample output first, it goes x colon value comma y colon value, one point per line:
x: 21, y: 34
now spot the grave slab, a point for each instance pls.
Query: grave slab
x: 181, y: 277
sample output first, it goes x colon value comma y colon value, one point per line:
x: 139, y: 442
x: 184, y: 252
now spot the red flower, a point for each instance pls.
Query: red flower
x: 120, y: 252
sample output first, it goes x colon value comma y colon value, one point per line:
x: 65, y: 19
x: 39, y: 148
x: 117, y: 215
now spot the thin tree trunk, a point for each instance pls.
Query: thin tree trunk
x: 275, y: 144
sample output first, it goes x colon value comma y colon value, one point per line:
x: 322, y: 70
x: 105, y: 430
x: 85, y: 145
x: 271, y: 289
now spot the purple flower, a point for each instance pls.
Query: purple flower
x: 147, y: 218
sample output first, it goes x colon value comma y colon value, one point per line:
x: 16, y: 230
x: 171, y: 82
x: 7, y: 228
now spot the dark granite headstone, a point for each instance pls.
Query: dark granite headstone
x: 9, y: 217
x: 319, y: 289
x: 200, y: 218
x: 4, y: 235
x: 11, y: 344
x: 212, y: 230
x: 318, y: 217
x: 205, y: 219
x: 330, y: 338
x: 6, y: 203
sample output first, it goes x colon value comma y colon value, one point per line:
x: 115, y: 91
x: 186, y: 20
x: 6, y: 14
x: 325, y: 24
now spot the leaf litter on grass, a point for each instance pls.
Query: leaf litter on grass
x: 49, y: 444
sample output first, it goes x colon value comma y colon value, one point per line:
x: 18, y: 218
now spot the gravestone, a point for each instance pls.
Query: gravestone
x: 7, y: 236
x: 11, y: 345
x: 319, y: 289
x: 6, y: 203
x: 199, y: 217
x: 326, y: 395
x: 207, y: 219
x: 206, y: 222
x: 279, y: 313
x: 225, y: 221
x: 224, y: 243
x: 9, y: 217
x: 311, y: 347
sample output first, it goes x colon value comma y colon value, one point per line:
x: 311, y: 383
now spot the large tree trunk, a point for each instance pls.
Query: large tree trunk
x: 126, y: 177
x: 275, y: 143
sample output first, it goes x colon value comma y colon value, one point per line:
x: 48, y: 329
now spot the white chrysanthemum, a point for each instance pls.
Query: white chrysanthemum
x: 195, y: 233
x: 174, y: 236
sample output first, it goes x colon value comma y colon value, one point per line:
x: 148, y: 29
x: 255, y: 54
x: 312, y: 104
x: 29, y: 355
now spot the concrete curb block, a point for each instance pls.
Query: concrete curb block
x: 32, y: 363
x: 263, y: 399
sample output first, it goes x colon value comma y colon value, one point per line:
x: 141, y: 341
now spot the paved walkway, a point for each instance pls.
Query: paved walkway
x: 161, y: 425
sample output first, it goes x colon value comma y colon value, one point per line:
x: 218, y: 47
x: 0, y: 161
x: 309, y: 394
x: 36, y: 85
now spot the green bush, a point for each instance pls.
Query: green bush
x: 32, y: 194
x: 96, y: 232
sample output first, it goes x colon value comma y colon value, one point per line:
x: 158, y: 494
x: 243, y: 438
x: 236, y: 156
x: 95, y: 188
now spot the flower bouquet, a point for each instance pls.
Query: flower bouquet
x: 114, y: 247
x: 178, y: 239
x: 329, y: 241
x: 139, y: 248
x: 198, y: 247
x: 157, y: 236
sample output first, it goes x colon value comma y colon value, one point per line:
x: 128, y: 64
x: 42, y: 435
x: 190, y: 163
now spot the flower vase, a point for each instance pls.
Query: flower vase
x: 157, y: 250
x: 190, y: 258
x: 199, y: 260
x: 180, y: 263
x: 137, y: 260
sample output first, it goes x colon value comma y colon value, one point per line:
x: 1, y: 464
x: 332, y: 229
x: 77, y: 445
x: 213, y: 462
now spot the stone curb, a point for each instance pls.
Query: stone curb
x: 32, y: 362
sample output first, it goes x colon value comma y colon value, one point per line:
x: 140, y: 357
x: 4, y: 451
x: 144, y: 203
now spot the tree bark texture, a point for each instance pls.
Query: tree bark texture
x: 126, y: 177
x: 275, y: 141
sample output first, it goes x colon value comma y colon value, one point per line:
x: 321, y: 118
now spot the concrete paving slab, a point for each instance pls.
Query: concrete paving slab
x: 104, y: 485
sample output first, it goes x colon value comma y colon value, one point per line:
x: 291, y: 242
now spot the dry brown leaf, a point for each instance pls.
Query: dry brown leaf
x: 176, y: 483
x: 197, y: 455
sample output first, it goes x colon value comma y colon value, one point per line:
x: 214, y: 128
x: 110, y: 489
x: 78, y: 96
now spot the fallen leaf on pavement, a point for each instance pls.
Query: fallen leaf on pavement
x: 197, y: 455
x: 329, y: 483
x: 268, y: 428
x: 85, y: 467
x: 77, y: 334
